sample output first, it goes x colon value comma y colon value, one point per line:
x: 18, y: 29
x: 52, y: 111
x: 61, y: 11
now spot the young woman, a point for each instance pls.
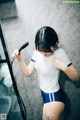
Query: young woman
x: 48, y: 59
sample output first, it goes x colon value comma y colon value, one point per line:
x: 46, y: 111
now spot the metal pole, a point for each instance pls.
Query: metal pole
x: 21, y: 104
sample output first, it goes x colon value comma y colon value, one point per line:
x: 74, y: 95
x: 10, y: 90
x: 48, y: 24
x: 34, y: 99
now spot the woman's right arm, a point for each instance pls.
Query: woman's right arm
x: 27, y: 70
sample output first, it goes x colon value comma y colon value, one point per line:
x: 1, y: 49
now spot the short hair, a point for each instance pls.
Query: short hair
x: 45, y: 38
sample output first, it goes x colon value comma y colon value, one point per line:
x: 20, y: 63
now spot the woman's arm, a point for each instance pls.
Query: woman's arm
x: 27, y: 70
x: 70, y: 71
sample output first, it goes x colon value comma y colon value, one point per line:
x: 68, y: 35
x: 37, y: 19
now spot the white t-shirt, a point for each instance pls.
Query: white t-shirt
x: 48, y: 75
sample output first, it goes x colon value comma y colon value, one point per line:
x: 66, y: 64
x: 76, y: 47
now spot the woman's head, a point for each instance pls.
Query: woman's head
x: 45, y: 39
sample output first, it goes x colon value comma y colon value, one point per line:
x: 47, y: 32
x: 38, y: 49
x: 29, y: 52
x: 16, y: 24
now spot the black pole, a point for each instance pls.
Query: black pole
x: 20, y: 102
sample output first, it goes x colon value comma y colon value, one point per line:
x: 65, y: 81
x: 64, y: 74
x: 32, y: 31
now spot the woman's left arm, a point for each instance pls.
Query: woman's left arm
x: 70, y: 71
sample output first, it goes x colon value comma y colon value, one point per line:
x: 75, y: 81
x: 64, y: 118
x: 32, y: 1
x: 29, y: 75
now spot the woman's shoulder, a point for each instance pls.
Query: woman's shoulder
x: 59, y: 50
x: 35, y: 54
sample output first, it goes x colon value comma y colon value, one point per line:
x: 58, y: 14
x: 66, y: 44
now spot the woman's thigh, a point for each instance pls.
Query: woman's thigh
x: 53, y: 110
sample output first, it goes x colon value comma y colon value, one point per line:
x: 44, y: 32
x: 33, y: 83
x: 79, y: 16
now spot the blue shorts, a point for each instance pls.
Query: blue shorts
x: 58, y: 96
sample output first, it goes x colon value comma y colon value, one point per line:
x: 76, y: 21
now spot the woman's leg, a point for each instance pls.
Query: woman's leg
x: 53, y: 110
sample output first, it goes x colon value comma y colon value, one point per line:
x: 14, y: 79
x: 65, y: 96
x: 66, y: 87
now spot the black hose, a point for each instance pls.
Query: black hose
x: 22, y: 47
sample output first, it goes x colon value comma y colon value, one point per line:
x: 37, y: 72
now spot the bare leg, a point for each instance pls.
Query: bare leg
x: 53, y: 110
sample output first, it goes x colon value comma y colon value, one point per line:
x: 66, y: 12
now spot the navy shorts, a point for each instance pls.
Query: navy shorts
x: 58, y: 96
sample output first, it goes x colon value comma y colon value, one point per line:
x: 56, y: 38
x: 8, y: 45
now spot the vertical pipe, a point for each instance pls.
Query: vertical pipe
x: 20, y: 102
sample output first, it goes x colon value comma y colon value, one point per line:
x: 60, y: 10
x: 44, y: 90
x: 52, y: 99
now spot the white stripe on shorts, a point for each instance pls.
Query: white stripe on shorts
x: 53, y: 96
x: 50, y: 97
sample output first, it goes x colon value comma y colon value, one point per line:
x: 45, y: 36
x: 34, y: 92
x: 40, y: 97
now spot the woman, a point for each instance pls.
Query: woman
x: 48, y: 59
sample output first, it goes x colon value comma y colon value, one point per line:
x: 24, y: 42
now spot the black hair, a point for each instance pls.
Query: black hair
x: 45, y: 38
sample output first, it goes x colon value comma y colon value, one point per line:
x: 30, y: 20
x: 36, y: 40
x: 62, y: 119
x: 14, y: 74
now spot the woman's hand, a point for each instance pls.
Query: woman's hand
x: 57, y: 63
x: 17, y: 55
x: 27, y: 70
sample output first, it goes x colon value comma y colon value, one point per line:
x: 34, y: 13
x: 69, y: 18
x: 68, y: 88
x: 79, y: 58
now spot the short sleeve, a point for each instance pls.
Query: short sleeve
x: 61, y: 54
x: 33, y: 59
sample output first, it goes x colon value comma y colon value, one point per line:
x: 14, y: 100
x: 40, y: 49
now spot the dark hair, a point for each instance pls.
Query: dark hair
x: 45, y: 38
